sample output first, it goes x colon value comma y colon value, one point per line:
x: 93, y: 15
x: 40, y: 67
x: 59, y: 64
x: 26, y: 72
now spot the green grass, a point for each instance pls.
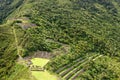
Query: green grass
x: 40, y: 62
x: 42, y: 75
x: 20, y: 73
x: 39, y: 75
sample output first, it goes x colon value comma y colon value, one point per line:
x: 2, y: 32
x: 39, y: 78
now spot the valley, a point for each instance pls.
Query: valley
x: 59, y: 40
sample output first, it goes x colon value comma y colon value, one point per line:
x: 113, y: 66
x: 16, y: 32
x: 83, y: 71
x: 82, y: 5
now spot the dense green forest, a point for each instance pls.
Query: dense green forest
x: 7, y: 7
x: 89, y: 28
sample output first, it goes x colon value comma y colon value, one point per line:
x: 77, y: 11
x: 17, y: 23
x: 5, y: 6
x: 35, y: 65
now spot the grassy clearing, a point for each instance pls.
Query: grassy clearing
x: 40, y: 62
x: 39, y: 75
x: 42, y: 75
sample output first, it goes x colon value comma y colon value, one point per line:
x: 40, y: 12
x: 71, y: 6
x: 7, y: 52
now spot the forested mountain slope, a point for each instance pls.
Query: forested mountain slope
x: 8, y: 6
x: 89, y: 28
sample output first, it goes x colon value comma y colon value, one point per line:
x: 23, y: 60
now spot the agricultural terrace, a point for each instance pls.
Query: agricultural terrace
x: 42, y: 75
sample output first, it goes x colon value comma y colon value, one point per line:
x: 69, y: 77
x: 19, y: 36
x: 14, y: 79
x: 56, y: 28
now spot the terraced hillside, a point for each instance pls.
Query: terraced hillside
x: 79, y: 37
x: 69, y: 71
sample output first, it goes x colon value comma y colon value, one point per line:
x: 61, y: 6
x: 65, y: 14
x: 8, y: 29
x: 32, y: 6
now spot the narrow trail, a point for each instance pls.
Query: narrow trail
x: 16, y: 42
x: 97, y: 57
x: 23, y: 41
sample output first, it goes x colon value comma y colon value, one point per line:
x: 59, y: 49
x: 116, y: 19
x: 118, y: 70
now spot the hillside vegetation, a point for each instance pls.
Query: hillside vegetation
x: 81, y: 35
x: 7, y: 7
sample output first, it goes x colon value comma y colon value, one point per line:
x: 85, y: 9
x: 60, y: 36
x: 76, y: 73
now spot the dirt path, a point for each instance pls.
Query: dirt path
x: 97, y: 57
x: 16, y: 42
x: 25, y: 37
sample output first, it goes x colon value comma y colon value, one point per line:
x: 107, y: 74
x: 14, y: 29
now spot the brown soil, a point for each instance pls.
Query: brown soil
x: 40, y: 54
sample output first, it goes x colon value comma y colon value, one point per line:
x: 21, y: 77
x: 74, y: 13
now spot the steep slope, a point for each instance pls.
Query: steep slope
x: 8, y: 51
x: 89, y: 28
x: 7, y: 7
